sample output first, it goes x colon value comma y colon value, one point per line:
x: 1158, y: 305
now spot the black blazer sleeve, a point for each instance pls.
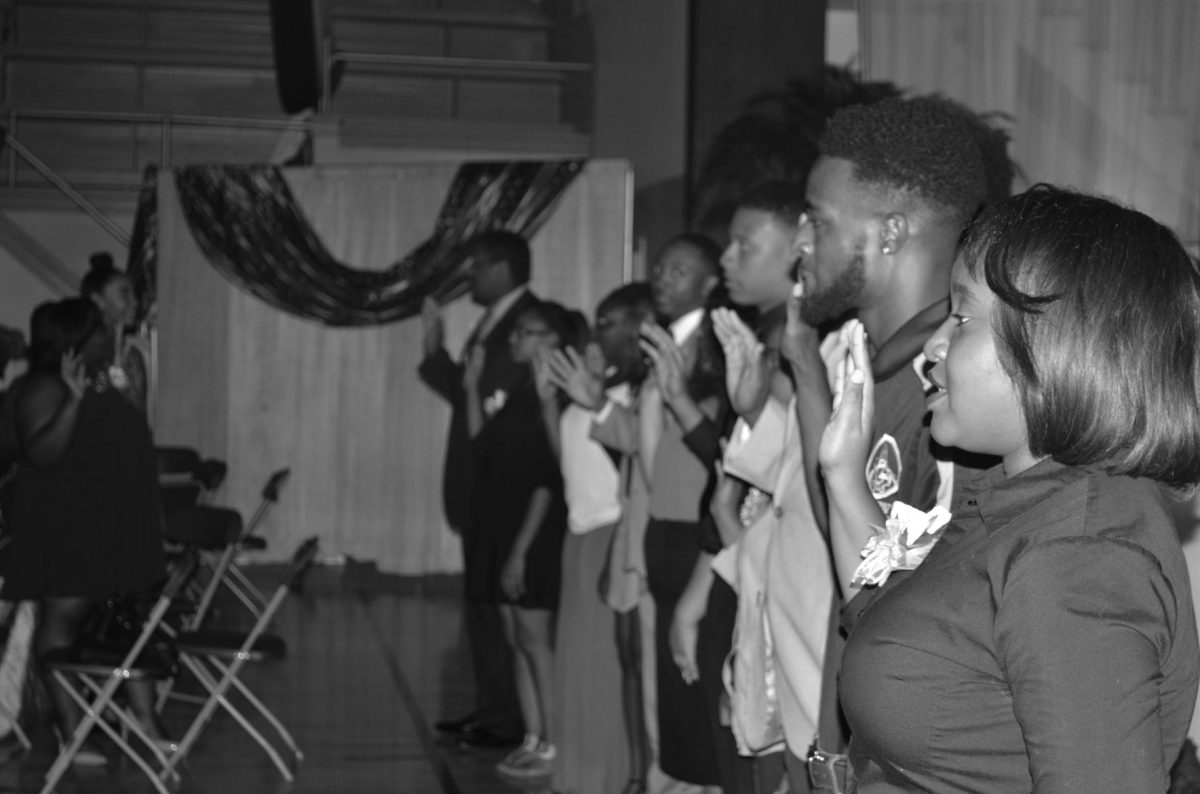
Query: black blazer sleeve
x: 442, y: 374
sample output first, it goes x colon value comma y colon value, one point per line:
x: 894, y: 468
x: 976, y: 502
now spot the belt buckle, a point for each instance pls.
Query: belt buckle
x: 826, y: 771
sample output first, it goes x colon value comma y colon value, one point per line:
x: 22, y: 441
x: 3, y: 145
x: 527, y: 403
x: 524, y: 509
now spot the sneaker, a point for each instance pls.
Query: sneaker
x: 534, y: 763
x: 518, y: 756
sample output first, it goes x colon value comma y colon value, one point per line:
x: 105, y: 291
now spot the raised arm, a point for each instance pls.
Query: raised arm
x: 47, y: 409
x: 547, y: 394
x: 437, y: 369
x: 843, y: 452
x: 746, y: 375
x: 814, y: 399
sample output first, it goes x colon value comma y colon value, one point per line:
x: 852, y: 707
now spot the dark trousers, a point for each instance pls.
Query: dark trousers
x: 797, y: 774
x: 715, y: 642
x: 685, y: 746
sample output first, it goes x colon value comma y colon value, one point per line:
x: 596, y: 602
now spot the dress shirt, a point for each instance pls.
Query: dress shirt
x: 492, y: 314
x: 1048, y: 643
x: 683, y: 327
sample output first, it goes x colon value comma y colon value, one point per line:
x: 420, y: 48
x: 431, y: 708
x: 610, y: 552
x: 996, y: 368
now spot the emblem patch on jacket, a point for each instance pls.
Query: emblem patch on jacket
x: 884, y: 468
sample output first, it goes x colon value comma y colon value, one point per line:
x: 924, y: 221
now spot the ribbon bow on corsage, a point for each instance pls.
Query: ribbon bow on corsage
x: 901, y: 545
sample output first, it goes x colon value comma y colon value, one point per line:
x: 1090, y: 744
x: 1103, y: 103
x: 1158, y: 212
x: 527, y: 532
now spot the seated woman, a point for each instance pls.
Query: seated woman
x: 1048, y: 641
x: 82, y: 505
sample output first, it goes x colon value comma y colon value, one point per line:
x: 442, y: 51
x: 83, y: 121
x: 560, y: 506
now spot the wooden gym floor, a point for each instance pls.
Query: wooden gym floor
x: 373, y: 661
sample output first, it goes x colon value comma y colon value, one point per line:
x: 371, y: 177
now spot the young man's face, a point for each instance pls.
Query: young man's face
x: 617, y: 334
x: 680, y: 280
x: 832, y: 243
x: 490, y: 278
x: 758, y: 260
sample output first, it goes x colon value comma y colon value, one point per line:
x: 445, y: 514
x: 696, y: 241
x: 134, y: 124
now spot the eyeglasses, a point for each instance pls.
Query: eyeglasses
x: 522, y: 331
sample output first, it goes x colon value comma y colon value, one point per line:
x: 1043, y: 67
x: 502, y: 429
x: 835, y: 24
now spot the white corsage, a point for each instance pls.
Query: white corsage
x: 901, y: 545
x: 117, y: 376
x: 494, y: 403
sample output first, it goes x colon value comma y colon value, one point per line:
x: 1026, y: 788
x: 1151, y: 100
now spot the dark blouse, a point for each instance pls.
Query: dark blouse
x: 1048, y: 643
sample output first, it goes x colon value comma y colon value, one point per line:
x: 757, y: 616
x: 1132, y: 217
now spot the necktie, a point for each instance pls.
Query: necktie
x: 476, y: 335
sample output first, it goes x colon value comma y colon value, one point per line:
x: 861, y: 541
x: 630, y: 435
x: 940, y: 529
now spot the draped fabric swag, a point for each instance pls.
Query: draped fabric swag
x: 248, y: 224
x: 1105, y: 94
x: 262, y: 387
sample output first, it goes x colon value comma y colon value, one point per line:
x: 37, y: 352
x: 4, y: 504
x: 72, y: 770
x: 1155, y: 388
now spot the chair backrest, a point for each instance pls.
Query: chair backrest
x: 270, y: 496
x: 210, y: 473
x: 176, y: 461
x: 176, y: 494
x: 203, y: 526
x: 275, y: 484
x: 302, y: 560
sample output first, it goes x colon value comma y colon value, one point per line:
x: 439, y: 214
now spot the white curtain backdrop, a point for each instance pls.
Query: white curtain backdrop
x: 1104, y: 94
x: 343, y: 408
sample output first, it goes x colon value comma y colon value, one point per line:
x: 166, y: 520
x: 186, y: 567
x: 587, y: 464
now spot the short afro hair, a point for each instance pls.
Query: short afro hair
x: 922, y: 146
x: 784, y: 200
x: 1097, y: 322
x: 501, y: 245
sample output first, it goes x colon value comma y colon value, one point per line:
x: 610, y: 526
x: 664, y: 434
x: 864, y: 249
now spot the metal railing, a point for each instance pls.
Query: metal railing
x: 165, y: 123
x: 426, y: 64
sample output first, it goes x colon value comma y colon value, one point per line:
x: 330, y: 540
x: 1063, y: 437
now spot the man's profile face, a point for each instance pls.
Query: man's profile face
x: 832, y: 241
x: 490, y: 278
x: 758, y: 260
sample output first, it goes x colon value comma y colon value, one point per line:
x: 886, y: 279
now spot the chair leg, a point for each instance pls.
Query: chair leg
x: 130, y: 724
x: 91, y: 719
x: 267, y: 715
x: 245, y: 590
x: 218, y: 564
x: 217, y: 690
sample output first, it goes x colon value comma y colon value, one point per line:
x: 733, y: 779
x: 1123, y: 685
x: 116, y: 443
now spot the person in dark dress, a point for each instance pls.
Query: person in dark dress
x: 1048, y: 641
x: 519, y: 517
x: 82, y: 505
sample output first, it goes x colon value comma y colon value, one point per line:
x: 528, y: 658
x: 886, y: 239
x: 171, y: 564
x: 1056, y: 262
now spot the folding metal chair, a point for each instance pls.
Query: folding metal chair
x: 184, y: 478
x: 18, y: 616
x: 217, y: 657
x: 239, y: 584
x: 93, y: 683
x: 212, y: 533
x: 176, y: 464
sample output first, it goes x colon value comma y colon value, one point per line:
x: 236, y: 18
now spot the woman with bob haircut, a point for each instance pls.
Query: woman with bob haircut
x: 1048, y: 641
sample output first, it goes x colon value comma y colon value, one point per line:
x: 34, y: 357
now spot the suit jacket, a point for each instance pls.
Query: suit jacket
x: 444, y: 375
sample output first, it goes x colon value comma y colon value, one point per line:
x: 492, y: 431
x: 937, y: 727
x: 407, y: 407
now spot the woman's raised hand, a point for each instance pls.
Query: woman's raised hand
x: 473, y: 367
x: 745, y: 376
x: 434, y: 333
x: 578, y: 376
x: 846, y: 441
x: 666, y: 359
x: 543, y: 383
x: 73, y: 373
